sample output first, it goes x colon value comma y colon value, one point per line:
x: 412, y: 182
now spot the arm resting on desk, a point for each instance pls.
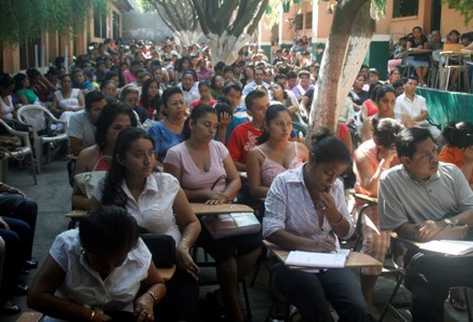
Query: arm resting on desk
x: 289, y: 241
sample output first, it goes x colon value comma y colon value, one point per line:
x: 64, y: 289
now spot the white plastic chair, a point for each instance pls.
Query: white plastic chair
x: 21, y: 151
x: 39, y: 118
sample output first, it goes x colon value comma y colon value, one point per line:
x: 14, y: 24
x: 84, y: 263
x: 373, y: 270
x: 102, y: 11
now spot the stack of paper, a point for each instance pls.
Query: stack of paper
x: 317, y: 260
x: 449, y: 247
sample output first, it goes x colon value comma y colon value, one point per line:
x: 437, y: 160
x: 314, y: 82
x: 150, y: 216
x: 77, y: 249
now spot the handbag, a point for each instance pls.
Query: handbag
x: 87, y: 182
x: 162, y: 248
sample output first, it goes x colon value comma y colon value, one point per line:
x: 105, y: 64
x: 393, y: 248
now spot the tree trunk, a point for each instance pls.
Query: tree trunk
x: 187, y: 38
x: 226, y: 46
x: 347, y: 46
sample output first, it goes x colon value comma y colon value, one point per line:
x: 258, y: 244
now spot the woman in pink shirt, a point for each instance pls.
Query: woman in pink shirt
x: 275, y: 152
x: 207, y: 174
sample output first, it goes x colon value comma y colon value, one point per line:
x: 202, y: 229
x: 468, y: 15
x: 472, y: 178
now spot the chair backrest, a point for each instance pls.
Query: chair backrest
x: 33, y: 115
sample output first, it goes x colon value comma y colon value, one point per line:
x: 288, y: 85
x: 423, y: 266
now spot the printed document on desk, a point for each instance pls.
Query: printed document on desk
x: 448, y: 247
x: 318, y: 260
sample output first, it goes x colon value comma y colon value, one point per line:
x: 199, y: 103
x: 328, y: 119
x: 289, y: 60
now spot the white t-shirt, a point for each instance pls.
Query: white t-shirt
x: 190, y: 95
x: 81, y: 128
x: 6, y: 107
x: 154, y: 208
x: 85, y: 286
x: 406, y: 106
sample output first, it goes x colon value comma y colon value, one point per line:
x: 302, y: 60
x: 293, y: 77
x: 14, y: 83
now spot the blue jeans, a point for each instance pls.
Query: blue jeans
x: 16, y: 206
x: 311, y: 293
x: 18, y: 240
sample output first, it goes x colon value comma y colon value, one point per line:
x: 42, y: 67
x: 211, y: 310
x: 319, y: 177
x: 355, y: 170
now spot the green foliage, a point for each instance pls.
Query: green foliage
x: 24, y: 20
x: 465, y: 7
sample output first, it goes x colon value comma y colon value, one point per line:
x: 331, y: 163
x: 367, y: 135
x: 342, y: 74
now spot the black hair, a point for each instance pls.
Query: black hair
x: 272, y: 112
x: 33, y: 73
x: 227, y: 69
x: 189, y: 72
x: 92, y: 97
x: 168, y: 93
x: 146, y: 102
x: 252, y: 96
x: 219, y: 67
x: 106, y: 118
x: 292, y: 74
x: 110, y: 74
x: 231, y: 86
x: 279, y: 76
x: 108, y: 230
x: 459, y: 135
x: 213, y: 81
x: 385, y: 131
x: 180, y: 62
x: 18, y: 80
x: 380, y: 91
x: 412, y: 77
x: 203, y: 83
x: 127, y: 90
x: 223, y: 106
x: 106, y: 82
x: 113, y: 194
x: 5, y: 80
x: 408, y: 138
x: 197, y: 113
x: 326, y: 148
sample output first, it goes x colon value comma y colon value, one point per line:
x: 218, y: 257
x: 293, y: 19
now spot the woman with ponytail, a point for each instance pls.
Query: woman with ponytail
x: 159, y: 206
x: 459, y: 147
x: 275, y: 152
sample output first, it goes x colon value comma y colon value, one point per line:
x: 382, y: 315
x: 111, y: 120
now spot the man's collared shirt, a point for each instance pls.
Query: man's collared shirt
x: 406, y: 106
x: 403, y: 199
x: 289, y: 207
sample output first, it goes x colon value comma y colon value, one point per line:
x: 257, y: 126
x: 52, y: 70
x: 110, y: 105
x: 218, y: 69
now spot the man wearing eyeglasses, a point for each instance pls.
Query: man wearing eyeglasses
x: 423, y: 199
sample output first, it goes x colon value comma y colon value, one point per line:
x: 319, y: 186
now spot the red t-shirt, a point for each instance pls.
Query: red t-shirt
x: 196, y: 103
x: 242, y: 140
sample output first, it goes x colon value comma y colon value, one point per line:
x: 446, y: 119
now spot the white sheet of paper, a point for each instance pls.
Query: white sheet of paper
x: 449, y: 247
x: 319, y: 260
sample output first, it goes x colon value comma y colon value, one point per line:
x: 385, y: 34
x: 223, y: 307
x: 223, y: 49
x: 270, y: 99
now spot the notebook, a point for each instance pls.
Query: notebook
x: 449, y: 247
x: 233, y: 224
x: 317, y: 260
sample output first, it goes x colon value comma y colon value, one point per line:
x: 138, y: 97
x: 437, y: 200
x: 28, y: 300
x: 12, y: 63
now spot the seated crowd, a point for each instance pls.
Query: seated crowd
x: 425, y: 54
x: 151, y: 131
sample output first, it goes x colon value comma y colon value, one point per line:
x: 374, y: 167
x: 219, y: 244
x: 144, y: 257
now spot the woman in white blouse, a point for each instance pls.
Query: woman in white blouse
x: 68, y: 99
x: 96, y: 273
x: 159, y: 206
x: 316, y: 224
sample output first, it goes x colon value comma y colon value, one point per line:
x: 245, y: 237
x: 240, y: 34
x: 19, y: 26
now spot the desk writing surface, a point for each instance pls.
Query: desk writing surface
x: 201, y: 209
x: 355, y: 259
x: 365, y: 198
x: 76, y: 214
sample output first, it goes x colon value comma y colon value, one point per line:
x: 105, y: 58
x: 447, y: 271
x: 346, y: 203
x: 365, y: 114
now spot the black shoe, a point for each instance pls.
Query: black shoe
x: 9, y: 308
x: 20, y: 289
x: 31, y: 264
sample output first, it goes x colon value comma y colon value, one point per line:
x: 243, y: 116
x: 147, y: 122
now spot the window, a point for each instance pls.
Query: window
x: 308, y: 20
x: 298, y: 21
x: 100, y: 24
x: 405, y: 8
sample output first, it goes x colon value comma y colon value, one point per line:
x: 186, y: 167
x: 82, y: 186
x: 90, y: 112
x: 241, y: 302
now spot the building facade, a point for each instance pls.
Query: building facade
x: 41, y: 52
x: 313, y: 19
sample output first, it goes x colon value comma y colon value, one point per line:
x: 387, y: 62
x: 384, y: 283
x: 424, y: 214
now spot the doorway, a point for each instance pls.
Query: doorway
x: 436, y: 14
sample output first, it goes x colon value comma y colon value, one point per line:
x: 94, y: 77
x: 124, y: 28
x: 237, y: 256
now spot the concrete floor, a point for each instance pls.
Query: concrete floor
x: 53, y: 195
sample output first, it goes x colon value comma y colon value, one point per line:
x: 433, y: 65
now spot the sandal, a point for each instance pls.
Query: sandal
x: 456, y: 299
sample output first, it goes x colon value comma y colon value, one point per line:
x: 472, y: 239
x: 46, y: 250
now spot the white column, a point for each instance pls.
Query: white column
x: 36, y: 56
x: 66, y: 59
x: 280, y: 23
x: 315, y: 20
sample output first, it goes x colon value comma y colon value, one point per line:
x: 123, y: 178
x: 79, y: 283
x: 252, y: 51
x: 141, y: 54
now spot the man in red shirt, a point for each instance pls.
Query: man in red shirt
x: 243, y: 137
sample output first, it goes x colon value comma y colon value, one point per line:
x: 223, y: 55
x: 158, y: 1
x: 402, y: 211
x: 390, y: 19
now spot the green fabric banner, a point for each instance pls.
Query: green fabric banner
x: 445, y: 107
